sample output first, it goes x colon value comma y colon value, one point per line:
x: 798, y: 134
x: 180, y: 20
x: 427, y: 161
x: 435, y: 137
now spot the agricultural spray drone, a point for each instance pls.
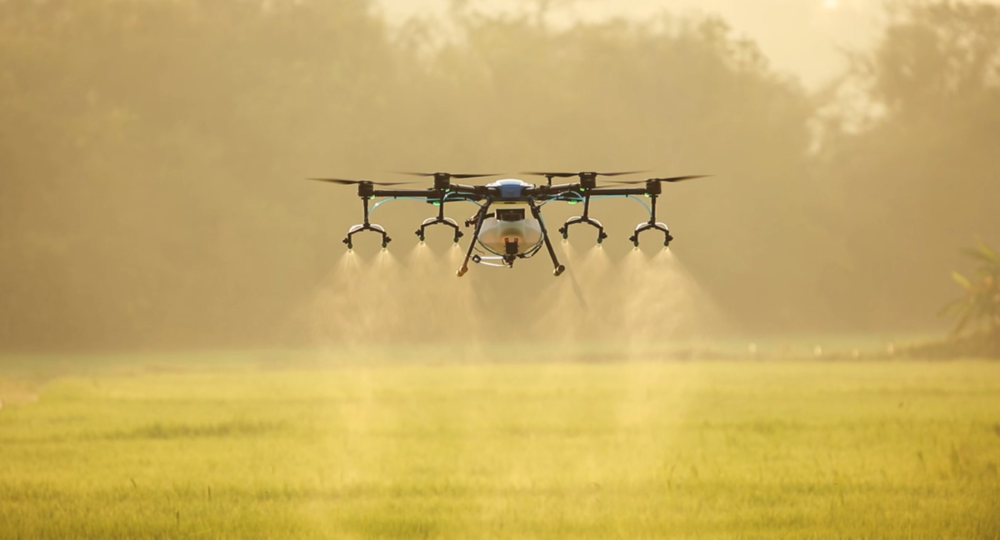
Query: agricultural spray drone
x: 509, y: 224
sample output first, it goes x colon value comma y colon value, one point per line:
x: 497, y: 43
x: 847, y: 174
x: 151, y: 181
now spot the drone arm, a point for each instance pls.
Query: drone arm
x: 479, y: 192
x: 548, y: 193
x: 562, y: 188
x: 616, y: 192
x: 411, y: 193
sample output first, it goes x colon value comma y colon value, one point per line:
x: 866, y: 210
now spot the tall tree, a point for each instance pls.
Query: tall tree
x: 149, y: 151
x: 920, y: 178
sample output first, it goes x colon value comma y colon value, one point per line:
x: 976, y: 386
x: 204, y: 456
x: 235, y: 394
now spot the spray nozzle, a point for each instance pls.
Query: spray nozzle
x: 645, y: 226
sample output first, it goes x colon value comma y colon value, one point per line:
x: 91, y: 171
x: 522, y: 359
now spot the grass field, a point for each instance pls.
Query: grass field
x: 329, y: 449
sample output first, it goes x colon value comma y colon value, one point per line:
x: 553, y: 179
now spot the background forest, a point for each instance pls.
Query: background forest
x: 151, y: 156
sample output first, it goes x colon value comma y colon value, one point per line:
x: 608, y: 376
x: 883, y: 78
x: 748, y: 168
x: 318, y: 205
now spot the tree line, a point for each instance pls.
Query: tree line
x: 150, y: 154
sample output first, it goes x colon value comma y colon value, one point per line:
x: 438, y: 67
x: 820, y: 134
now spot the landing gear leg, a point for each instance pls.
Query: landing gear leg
x: 480, y: 218
x: 559, y: 269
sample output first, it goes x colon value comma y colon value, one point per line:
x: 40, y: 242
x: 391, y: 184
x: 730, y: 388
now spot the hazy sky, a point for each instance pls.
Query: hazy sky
x: 801, y: 37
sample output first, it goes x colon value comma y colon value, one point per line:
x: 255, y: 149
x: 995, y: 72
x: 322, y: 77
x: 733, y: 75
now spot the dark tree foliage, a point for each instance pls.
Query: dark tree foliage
x: 147, y: 148
x: 920, y: 177
x: 151, y: 149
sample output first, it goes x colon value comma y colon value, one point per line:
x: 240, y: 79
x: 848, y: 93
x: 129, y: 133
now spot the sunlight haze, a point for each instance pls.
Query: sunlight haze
x: 464, y: 269
x: 804, y: 38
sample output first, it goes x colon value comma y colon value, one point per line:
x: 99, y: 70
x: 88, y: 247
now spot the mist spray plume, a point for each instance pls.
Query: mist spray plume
x: 665, y: 306
x: 635, y: 307
x: 384, y: 301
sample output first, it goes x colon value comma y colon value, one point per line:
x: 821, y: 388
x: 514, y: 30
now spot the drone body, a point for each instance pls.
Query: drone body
x: 509, y: 224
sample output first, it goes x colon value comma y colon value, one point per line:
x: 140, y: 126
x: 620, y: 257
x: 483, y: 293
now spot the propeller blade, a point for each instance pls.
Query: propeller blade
x: 669, y: 179
x: 475, y: 175
x: 552, y: 174
x: 450, y: 175
x: 341, y: 181
x: 619, y: 173
x: 572, y: 174
x: 682, y: 178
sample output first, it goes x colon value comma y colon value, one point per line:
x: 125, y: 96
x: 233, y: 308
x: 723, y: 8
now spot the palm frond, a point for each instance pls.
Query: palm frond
x: 980, y: 305
x: 962, y: 280
x: 953, y: 308
x: 963, y: 321
x: 983, y: 254
x: 992, y: 255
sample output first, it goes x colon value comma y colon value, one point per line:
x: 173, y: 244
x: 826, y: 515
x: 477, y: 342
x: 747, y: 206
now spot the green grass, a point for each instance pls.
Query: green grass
x: 514, y: 450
